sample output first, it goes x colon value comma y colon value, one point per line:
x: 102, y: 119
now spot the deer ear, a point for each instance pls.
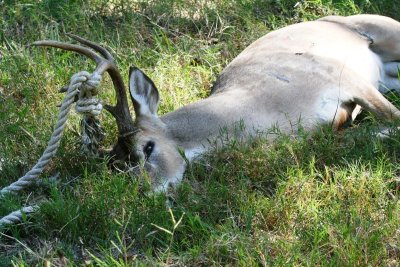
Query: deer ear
x: 144, y: 93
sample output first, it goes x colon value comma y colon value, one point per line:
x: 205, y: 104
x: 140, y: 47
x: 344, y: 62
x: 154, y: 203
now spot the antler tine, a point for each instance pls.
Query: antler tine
x: 71, y: 47
x: 103, y: 63
x: 104, y: 52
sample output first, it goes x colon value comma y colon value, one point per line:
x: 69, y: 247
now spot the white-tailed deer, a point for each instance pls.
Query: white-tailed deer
x: 313, y: 72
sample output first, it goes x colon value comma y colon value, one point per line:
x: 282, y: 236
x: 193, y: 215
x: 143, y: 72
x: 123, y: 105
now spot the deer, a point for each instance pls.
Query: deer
x: 315, y: 73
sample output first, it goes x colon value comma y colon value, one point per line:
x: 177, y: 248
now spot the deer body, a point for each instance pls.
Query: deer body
x: 304, y: 75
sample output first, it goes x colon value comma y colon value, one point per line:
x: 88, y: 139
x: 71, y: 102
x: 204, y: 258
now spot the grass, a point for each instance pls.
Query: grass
x: 328, y: 199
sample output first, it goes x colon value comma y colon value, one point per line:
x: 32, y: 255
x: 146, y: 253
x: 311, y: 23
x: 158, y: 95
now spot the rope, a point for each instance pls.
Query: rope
x: 16, y: 216
x: 90, y: 107
x: 86, y: 85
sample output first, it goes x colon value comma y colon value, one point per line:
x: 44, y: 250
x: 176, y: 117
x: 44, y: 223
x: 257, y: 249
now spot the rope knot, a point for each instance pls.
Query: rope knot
x: 86, y: 85
x: 89, y: 106
x: 87, y: 103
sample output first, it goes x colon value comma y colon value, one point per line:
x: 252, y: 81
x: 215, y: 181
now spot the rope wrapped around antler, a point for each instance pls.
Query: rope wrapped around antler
x: 86, y: 84
x: 77, y: 80
x: 83, y: 84
x: 90, y: 107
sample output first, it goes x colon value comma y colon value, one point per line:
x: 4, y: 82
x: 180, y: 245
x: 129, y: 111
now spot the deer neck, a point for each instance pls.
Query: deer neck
x: 197, y: 127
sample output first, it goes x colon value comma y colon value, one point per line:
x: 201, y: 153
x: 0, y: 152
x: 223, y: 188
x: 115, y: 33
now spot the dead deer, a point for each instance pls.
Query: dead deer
x: 314, y: 73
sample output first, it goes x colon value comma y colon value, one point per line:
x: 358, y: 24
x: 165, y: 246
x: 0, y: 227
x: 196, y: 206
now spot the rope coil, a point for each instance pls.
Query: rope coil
x: 90, y: 107
x: 85, y: 86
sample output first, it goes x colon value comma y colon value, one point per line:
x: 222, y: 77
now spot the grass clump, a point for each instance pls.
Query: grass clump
x: 325, y: 198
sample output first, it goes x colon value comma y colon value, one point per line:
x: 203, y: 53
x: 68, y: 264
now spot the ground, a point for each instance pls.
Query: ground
x: 327, y: 198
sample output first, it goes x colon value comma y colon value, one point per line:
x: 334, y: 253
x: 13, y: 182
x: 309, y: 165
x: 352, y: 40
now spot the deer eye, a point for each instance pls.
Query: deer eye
x: 148, y: 149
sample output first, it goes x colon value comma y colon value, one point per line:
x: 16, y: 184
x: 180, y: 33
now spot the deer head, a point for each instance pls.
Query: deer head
x: 151, y: 144
x: 143, y: 142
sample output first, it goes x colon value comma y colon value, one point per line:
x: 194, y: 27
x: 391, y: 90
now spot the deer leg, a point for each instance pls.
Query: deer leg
x: 372, y: 100
x: 383, y: 37
x: 382, y: 33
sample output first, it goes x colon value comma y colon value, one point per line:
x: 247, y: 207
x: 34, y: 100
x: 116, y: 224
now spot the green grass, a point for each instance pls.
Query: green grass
x: 327, y: 199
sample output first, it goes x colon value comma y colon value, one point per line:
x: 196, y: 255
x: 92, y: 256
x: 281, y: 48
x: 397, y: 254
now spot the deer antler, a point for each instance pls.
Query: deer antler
x: 104, y: 62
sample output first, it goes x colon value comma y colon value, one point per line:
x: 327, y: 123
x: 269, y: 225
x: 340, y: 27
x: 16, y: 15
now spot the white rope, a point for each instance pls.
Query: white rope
x: 16, y: 216
x: 90, y: 107
x: 86, y: 85
x: 87, y: 104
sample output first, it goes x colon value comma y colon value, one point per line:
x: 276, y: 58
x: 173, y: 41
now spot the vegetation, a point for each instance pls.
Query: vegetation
x: 327, y: 199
